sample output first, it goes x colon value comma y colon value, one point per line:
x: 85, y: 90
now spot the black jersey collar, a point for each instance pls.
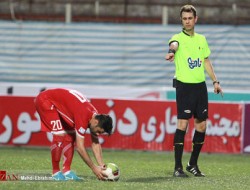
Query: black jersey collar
x: 186, y: 33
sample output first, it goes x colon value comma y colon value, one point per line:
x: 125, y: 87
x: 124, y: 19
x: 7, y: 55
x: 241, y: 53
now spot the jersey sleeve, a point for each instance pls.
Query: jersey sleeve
x: 175, y: 38
x: 81, y: 128
x: 83, y: 117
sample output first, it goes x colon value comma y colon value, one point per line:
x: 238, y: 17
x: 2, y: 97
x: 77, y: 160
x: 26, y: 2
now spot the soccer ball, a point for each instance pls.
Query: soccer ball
x: 112, y: 171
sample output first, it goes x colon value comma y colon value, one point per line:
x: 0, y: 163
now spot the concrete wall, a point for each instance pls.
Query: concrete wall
x: 209, y: 11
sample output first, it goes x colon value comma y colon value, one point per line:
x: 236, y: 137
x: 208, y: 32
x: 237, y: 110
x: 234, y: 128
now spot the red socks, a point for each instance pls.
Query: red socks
x: 68, y: 151
x: 62, y: 144
x: 56, y: 152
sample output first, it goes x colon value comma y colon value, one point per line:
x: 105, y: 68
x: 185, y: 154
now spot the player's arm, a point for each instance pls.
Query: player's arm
x: 210, y: 71
x: 173, y: 47
x: 97, y: 150
x: 80, y: 146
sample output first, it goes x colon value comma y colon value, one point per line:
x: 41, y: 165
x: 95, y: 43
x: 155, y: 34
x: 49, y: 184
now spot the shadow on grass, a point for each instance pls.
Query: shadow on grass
x: 152, y: 179
x: 148, y: 179
x: 168, y: 177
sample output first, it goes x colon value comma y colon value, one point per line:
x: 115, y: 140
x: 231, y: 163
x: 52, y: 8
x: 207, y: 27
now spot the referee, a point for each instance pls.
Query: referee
x: 190, y: 52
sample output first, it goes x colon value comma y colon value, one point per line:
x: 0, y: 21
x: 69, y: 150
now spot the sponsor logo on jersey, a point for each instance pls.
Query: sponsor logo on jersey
x: 81, y: 130
x: 194, y: 63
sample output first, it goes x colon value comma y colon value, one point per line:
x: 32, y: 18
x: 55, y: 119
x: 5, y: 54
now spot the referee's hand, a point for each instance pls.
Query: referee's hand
x: 170, y: 57
x: 218, y: 89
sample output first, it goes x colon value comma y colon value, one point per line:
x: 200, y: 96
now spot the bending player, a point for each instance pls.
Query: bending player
x: 67, y: 114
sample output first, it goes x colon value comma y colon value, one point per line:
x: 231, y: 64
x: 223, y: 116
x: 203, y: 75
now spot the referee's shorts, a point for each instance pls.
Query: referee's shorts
x: 191, y: 100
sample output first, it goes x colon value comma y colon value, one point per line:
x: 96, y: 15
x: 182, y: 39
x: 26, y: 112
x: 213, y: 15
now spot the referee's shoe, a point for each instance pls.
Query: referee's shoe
x: 179, y: 173
x: 194, y: 169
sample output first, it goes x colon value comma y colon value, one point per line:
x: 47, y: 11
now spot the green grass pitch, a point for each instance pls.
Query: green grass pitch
x: 139, y: 170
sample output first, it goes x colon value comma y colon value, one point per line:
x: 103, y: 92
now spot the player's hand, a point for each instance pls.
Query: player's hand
x: 98, y: 172
x: 218, y: 89
x: 170, y: 57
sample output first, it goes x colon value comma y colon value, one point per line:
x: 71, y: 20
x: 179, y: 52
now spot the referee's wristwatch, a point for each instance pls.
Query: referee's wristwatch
x: 218, y: 82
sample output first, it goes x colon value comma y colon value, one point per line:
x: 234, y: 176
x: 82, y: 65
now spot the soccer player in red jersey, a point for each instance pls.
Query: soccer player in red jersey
x: 67, y: 114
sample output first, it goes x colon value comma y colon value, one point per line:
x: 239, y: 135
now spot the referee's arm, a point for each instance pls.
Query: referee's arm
x: 173, y: 47
x: 210, y: 71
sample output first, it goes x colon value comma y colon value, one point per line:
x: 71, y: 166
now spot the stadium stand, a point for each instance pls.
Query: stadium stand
x: 105, y: 53
x: 113, y: 54
x: 234, y: 12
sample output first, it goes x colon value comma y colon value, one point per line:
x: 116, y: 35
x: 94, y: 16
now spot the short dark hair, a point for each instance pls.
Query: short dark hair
x: 105, y: 122
x: 188, y: 8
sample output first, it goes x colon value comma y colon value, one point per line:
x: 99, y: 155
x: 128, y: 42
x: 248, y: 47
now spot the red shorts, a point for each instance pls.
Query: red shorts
x: 51, y: 120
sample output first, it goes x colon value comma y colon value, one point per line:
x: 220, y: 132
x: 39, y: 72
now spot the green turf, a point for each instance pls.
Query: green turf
x: 139, y: 170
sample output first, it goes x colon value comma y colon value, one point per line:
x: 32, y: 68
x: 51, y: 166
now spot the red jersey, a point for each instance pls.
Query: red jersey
x: 71, y: 105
